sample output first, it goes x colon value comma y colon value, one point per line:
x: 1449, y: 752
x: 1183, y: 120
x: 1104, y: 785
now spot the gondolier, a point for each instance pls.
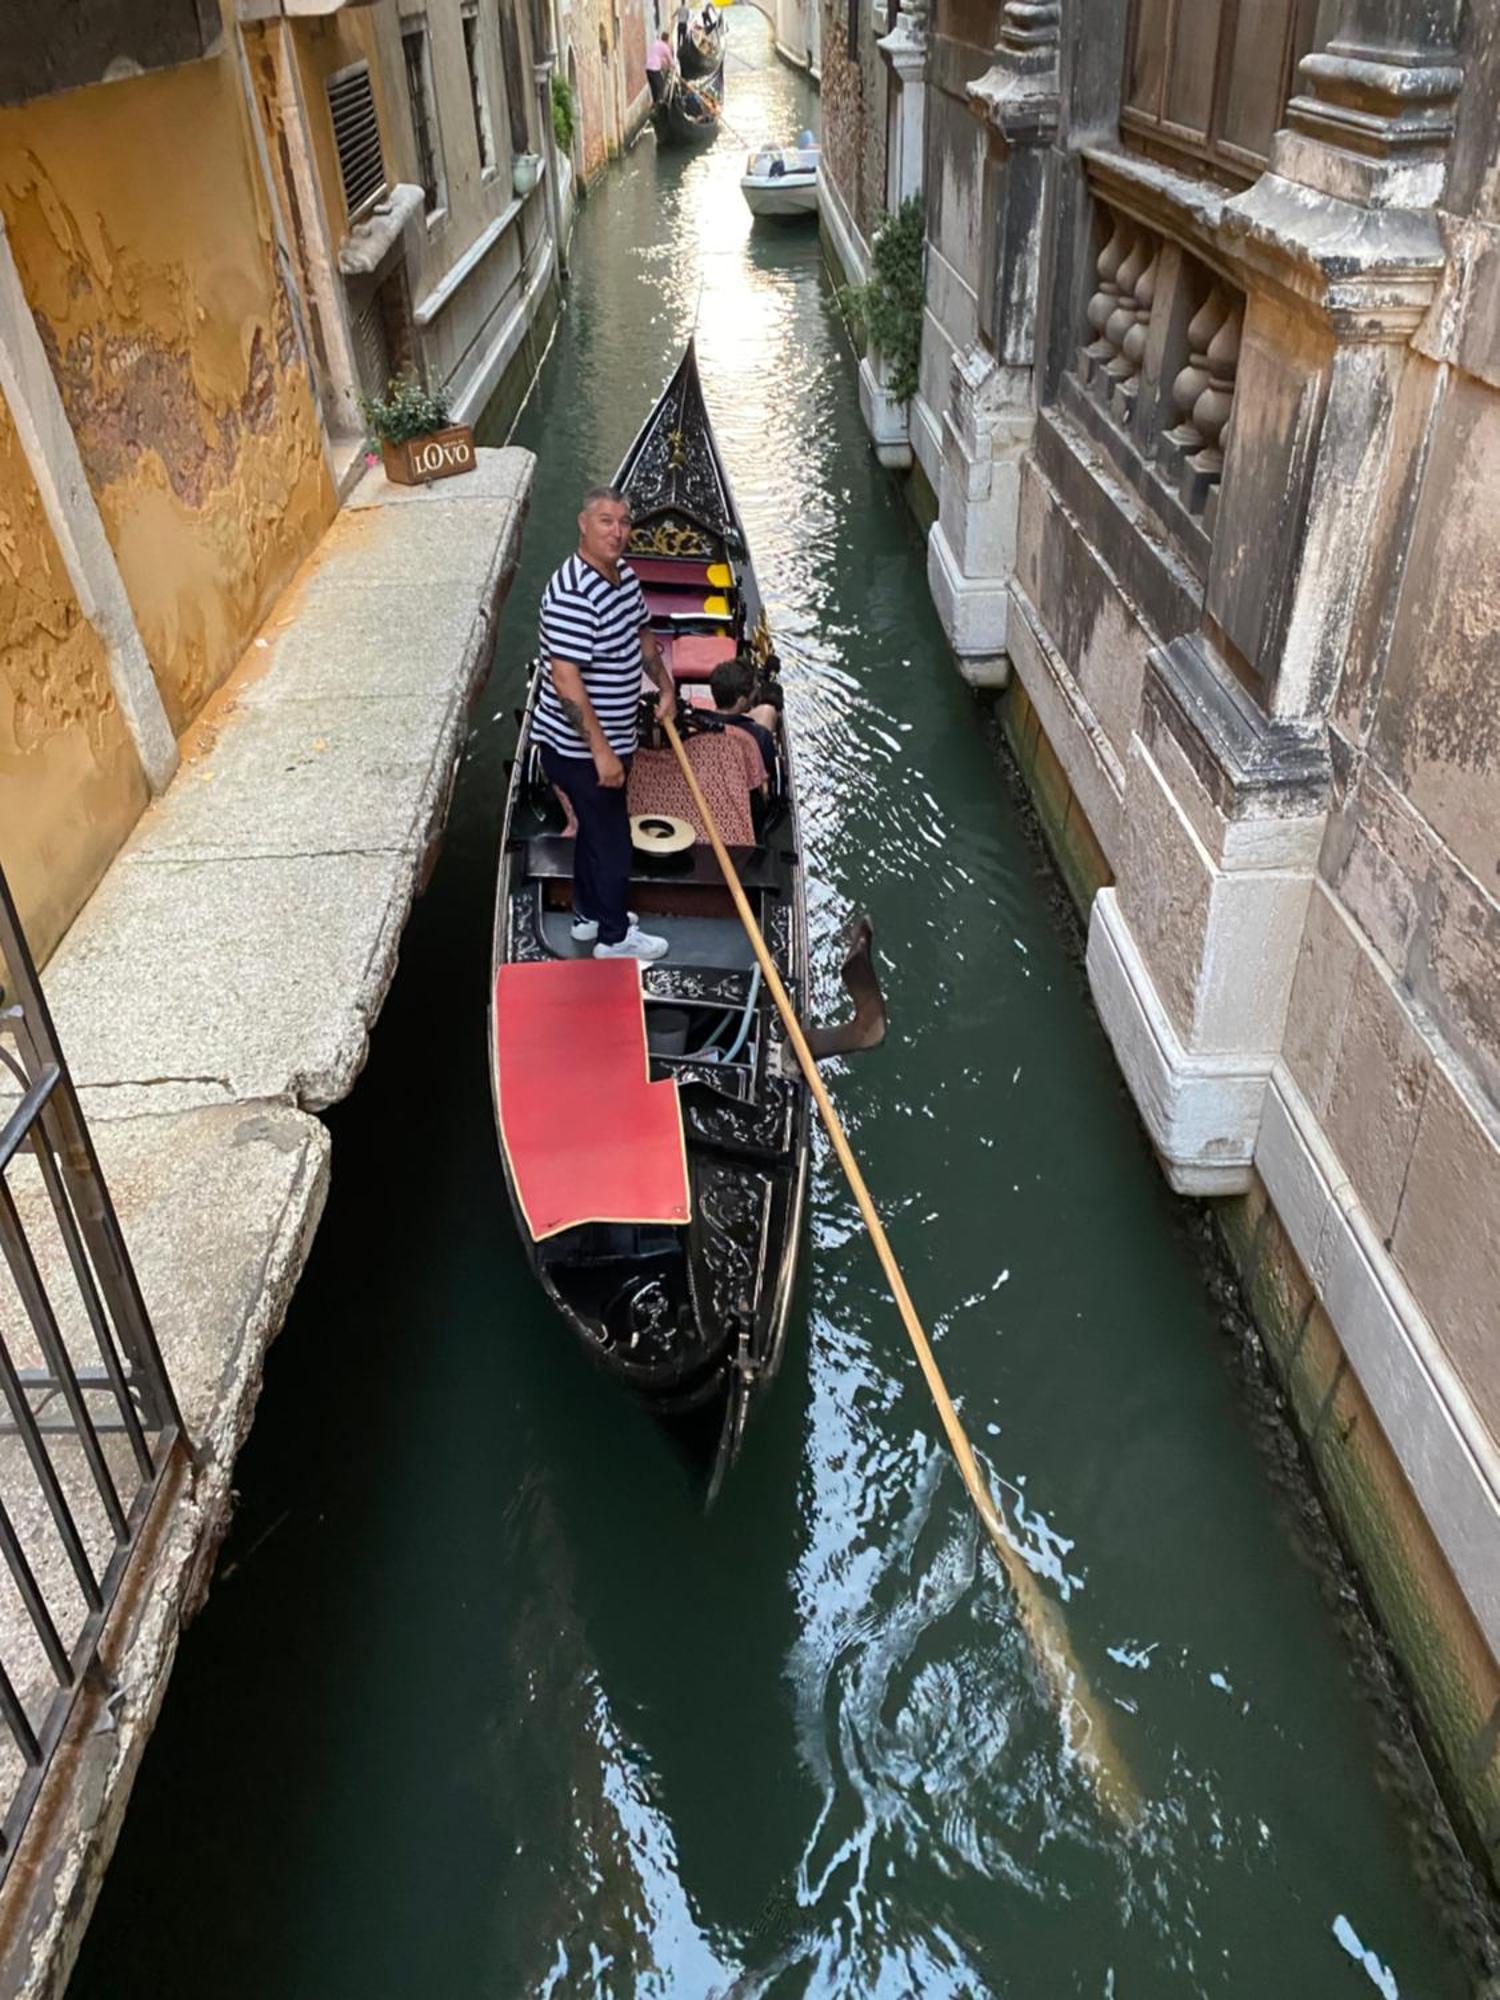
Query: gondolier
x: 660, y: 64
x: 594, y: 639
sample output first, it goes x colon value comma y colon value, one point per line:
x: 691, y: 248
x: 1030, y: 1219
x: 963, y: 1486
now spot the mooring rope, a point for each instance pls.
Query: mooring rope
x: 1086, y: 1725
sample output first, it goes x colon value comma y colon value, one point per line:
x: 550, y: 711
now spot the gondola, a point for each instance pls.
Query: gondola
x: 663, y: 1220
x: 688, y: 113
x: 702, y: 50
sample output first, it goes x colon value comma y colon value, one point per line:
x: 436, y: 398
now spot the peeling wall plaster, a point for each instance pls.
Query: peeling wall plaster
x: 145, y: 250
x: 71, y: 786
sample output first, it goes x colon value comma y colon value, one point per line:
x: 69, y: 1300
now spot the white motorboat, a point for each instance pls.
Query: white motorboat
x: 782, y: 181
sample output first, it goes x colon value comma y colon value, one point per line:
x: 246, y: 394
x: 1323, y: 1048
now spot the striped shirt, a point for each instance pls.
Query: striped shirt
x: 597, y: 625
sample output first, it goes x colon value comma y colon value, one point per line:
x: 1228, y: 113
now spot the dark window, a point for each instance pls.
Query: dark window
x: 516, y: 94
x: 423, y: 117
x: 356, y: 134
x: 1211, y: 78
x: 479, y: 96
x: 854, y: 7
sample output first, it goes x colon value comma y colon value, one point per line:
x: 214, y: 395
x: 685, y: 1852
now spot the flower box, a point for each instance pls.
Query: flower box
x: 437, y: 455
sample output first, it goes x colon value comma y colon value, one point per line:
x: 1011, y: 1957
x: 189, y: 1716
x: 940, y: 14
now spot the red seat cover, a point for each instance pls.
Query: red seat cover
x: 694, y: 655
x: 673, y: 571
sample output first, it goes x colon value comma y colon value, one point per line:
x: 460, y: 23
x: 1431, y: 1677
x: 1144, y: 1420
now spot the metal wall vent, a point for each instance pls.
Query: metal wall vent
x: 356, y: 133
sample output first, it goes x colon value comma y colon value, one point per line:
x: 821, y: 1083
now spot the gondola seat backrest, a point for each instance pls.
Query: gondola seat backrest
x: 729, y: 771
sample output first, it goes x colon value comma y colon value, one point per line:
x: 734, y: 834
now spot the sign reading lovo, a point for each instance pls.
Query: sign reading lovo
x: 439, y: 455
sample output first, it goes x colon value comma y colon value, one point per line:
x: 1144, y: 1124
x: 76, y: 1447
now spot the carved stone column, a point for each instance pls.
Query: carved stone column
x: 989, y: 418
x: 1374, y: 111
x: 1357, y: 268
x: 905, y: 52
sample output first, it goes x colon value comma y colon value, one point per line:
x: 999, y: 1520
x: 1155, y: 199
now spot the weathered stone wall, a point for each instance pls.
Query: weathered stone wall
x: 854, y: 115
x: 1393, y: 1035
x: 610, y: 54
x: 71, y: 785
x: 146, y: 255
x: 961, y: 48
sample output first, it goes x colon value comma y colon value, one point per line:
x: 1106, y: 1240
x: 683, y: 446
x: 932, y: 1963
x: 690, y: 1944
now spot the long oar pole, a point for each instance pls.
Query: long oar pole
x: 1090, y: 1736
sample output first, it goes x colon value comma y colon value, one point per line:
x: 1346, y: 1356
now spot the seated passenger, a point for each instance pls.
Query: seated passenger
x: 740, y: 701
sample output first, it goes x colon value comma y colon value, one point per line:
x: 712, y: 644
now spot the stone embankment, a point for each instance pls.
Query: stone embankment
x: 216, y: 993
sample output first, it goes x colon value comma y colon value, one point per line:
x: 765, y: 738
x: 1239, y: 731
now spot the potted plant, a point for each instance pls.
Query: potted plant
x: 417, y: 442
x: 525, y: 170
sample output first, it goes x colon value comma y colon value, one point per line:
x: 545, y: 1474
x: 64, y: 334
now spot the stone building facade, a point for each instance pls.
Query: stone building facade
x: 798, y: 29
x: 1208, y: 430
x: 602, y: 52
x: 220, y: 224
x: 412, y: 148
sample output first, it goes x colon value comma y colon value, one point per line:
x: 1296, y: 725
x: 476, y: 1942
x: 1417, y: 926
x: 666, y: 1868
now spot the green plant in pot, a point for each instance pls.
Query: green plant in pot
x: 413, y: 427
x: 888, y: 307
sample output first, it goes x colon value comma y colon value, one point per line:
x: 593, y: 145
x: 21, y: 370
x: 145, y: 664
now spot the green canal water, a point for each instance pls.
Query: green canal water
x: 482, y: 1704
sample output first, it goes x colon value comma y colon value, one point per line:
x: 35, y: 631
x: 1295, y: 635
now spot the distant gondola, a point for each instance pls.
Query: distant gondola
x: 701, y: 52
x: 663, y: 1221
x: 688, y: 113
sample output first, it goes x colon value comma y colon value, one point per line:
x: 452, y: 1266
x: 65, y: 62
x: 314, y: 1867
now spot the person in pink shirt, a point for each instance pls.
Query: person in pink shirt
x: 660, y: 62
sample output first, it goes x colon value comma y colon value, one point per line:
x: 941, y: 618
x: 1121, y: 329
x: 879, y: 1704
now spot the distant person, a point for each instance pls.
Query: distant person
x: 734, y: 687
x: 660, y: 63
x: 683, y: 18
x: 595, y: 640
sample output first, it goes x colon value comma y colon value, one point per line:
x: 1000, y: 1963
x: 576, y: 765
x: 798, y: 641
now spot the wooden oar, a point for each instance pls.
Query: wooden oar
x: 1086, y: 1725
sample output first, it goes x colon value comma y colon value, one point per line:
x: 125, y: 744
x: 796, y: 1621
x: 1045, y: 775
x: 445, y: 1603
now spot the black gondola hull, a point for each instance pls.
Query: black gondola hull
x: 695, y: 62
x: 676, y: 120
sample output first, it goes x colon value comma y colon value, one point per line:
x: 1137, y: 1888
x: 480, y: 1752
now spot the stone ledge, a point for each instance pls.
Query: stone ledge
x: 974, y: 613
x: 1202, y: 1112
x: 1444, y: 1450
x: 849, y: 247
x: 885, y: 420
x: 242, y: 942
x: 1078, y: 738
x: 1251, y: 764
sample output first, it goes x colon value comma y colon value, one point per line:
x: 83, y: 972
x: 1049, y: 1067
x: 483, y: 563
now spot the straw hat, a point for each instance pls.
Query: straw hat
x: 659, y: 833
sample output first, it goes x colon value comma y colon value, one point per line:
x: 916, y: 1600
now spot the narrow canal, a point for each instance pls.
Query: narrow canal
x: 482, y: 1705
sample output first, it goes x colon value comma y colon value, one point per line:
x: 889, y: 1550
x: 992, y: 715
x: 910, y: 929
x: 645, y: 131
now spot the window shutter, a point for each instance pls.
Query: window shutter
x: 356, y: 134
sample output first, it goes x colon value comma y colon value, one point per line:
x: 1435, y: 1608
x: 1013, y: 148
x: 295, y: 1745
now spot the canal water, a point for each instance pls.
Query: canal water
x: 482, y: 1704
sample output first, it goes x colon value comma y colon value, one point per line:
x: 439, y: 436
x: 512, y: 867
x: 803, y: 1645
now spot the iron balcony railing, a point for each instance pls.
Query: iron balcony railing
x: 88, y: 1420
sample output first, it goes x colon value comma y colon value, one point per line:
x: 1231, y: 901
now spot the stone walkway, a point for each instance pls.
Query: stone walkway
x: 216, y: 992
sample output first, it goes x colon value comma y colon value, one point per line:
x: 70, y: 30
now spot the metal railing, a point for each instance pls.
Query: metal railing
x: 88, y: 1420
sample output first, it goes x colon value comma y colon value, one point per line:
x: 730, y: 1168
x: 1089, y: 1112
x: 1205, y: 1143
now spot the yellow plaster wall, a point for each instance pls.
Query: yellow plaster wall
x: 145, y: 247
x: 71, y: 785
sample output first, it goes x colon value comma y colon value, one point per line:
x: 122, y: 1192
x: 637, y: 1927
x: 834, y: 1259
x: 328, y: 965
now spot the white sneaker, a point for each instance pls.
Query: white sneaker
x: 586, y: 929
x: 634, y: 944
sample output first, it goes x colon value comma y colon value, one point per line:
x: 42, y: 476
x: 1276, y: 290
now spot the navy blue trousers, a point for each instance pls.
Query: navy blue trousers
x: 601, y: 855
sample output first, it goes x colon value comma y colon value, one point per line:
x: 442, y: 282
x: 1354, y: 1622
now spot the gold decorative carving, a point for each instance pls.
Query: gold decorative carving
x: 670, y: 538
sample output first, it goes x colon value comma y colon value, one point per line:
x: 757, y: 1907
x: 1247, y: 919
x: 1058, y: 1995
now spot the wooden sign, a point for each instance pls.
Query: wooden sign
x: 439, y: 455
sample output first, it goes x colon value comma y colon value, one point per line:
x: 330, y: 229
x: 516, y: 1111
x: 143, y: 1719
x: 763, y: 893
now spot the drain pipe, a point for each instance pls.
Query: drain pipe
x: 542, y: 71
